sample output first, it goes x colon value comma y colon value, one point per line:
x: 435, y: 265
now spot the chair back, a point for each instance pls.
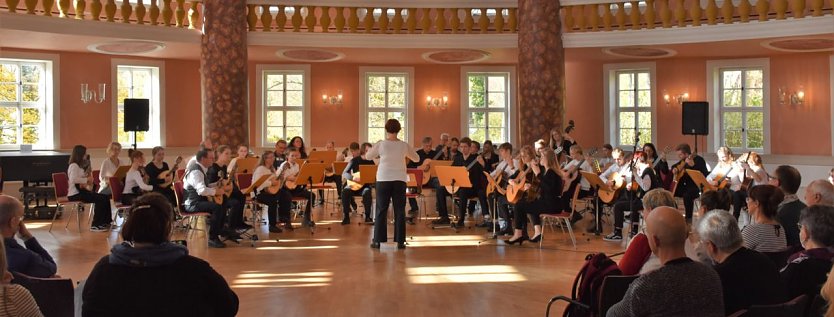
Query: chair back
x: 61, y: 183
x: 54, y: 296
x: 96, y: 179
x: 575, y: 199
x: 418, y: 175
x: 116, y: 189
x: 180, y: 173
x: 793, y: 308
x: 780, y: 258
x: 244, y: 180
x: 179, y: 193
x: 613, y: 290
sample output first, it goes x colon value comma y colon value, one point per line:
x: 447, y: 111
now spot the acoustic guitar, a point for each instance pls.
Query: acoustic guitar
x: 426, y: 166
x: 608, y: 195
x: 493, y: 184
x: 353, y: 183
x: 515, y: 188
x: 573, y: 175
x: 164, y: 174
x: 746, y: 182
x: 224, y: 190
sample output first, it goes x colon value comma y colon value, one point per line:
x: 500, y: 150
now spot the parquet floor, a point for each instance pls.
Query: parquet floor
x: 333, y: 272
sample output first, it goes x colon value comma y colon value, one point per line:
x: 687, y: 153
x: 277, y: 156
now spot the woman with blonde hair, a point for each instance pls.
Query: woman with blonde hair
x: 109, y: 166
x: 543, y: 195
x: 16, y: 300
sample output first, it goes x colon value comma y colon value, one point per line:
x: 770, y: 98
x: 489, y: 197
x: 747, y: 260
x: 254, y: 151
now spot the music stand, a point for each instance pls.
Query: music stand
x: 699, y: 180
x: 121, y: 172
x: 597, y: 183
x: 326, y: 157
x: 435, y: 164
x: 256, y: 184
x: 310, y: 173
x: 456, y: 177
x: 246, y: 165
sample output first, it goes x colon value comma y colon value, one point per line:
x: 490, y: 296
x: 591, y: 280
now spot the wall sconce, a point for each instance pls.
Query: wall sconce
x: 680, y: 98
x: 795, y: 98
x: 88, y: 95
x: 335, y: 99
x: 438, y: 103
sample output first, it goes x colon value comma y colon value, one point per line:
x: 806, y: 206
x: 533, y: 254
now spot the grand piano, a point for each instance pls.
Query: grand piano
x: 33, y: 169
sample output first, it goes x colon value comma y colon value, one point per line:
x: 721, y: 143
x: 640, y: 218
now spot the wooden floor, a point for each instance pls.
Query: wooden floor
x: 333, y: 272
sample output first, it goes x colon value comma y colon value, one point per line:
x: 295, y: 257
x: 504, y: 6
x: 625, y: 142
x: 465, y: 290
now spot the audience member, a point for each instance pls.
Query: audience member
x: 31, y: 260
x: 15, y: 299
x: 747, y: 277
x: 819, y: 192
x: 711, y: 201
x: 638, y: 257
x: 764, y: 233
x: 681, y: 287
x: 148, y: 275
x: 827, y: 294
x: 806, y: 270
x: 788, y: 179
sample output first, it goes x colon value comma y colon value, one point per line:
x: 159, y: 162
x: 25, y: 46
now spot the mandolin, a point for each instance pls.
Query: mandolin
x: 224, y: 190
x: 164, y: 174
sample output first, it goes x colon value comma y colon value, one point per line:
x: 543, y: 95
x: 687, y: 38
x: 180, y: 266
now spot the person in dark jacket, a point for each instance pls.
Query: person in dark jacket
x: 148, y: 275
x: 807, y: 270
x: 30, y: 258
x: 788, y: 179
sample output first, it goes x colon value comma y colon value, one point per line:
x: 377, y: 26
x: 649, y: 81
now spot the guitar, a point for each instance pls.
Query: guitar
x: 573, y: 175
x: 746, y: 182
x: 88, y: 169
x: 493, y: 184
x: 354, y: 183
x: 224, y: 190
x: 515, y: 187
x: 680, y: 169
x: 454, y: 189
x: 608, y: 195
x: 665, y: 151
x: 721, y: 179
x: 164, y: 175
x: 426, y: 166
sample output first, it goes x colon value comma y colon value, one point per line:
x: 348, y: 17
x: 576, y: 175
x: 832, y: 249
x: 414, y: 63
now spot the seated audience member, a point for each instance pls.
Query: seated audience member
x: 711, y: 201
x: 15, y: 299
x: 31, y: 260
x: 764, y: 233
x: 637, y: 256
x: 827, y: 294
x: 747, y: 277
x: 819, y: 192
x: 788, y: 179
x: 681, y: 287
x: 148, y: 275
x: 806, y: 270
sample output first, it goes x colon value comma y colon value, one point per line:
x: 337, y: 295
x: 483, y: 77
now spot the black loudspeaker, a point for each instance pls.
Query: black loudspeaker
x: 136, y: 115
x: 695, y: 116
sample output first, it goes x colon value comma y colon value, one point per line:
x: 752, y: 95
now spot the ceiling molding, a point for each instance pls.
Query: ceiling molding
x: 395, y: 3
x: 116, y: 30
x: 431, y: 41
x: 704, y: 33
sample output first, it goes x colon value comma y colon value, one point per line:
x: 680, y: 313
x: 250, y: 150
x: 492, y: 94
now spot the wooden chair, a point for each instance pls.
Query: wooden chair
x: 54, y: 296
x: 563, y: 219
x: 793, y: 308
x: 613, y: 290
x: 189, y: 220
x: 96, y: 180
x: 416, y: 181
x: 60, y: 181
x: 244, y: 182
x: 116, y: 189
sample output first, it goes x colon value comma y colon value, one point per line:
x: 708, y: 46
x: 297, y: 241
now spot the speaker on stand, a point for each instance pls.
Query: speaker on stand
x: 695, y: 119
x: 137, y: 113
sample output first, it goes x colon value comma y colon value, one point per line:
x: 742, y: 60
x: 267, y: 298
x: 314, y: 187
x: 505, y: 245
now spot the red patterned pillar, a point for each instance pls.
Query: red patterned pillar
x: 541, y: 69
x: 223, y: 67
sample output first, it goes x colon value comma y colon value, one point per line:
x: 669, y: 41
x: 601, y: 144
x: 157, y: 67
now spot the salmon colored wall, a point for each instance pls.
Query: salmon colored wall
x: 182, y: 102
x: 584, y: 102
x: 676, y: 77
x: 433, y: 80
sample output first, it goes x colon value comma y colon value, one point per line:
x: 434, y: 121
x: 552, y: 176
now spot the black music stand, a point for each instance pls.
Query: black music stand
x: 597, y: 184
x: 311, y: 173
x: 456, y: 177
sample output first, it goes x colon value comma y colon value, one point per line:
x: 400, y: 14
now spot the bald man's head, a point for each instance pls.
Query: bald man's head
x: 666, y: 229
x: 820, y: 192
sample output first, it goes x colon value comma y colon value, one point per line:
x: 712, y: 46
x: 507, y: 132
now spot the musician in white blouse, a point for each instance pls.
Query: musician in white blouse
x: 80, y: 186
x: 391, y: 178
x: 109, y: 167
x: 135, y: 184
x: 725, y: 170
x: 263, y: 196
x: 289, y: 170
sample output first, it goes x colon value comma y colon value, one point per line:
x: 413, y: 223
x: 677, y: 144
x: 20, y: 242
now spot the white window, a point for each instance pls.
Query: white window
x: 26, y: 99
x: 488, y: 107
x: 139, y: 80
x: 740, y: 104
x: 387, y: 96
x: 284, y: 102
x: 630, y: 104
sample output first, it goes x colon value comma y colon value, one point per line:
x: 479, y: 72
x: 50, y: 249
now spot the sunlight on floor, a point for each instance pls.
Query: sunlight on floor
x: 282, y: 280
x: 314, y: 247
x: 444, y: 241
x: 464, y: 274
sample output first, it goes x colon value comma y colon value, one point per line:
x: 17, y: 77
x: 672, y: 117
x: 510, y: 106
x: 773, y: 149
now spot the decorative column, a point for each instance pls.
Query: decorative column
x: 223, y: 68
x: 541, y: 65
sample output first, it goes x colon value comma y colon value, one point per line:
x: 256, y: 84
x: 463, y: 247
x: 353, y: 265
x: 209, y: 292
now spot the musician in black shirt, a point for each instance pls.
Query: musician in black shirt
x: 542, y: 196
x: 154, y: 168
x: 235, y: 201
x: 687, y: 188
x: 424, y: 153
x: 365, y: 190
x: 474, y: 163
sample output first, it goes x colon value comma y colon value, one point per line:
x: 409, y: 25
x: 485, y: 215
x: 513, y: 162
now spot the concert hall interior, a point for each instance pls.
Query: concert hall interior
x: 600, y: 116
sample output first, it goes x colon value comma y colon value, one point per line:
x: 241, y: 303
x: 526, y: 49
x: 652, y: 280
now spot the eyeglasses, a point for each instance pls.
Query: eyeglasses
x: 799, y: 225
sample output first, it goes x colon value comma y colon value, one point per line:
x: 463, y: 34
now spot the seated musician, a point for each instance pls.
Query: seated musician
x: 80, y: 189
x: 297, y: 142
x: 474, y: 164
x: 687, y: 188
x: 725, y: 170
x: 618, y: 168
x: 539, y: 146
x: 136, y: 181
x: 490, y: 157
x: 443, y: 146
x: 234, y: 201
x: 270, y: 199
x: 475, y: 149
x: 561, y: 142
x: 449, y: 154
x: 542, y: 196
x: 749, y: 165
x: 579, y: 162
x: 242, y: 153
x: 155, y: 168
x: 280, y: 153
x: 289, y: 170
x: 365, y: 190
x: 506, y: 169
x: 454, y: 149
x: 425, y: 153
x: 659, y: 165
x: 332, y: 176
x: 196, y: 192
x: 606, y: 161
x: 645, y: 179
x: 109, y: 167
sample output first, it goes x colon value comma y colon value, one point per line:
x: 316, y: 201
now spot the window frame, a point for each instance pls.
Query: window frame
x: 51, y: 63
x: 365, y: 72
x: 714, y: 83
x: 262, y: 70
x: 157, y: 102
x: 510, y: 111
x: 611, y: 102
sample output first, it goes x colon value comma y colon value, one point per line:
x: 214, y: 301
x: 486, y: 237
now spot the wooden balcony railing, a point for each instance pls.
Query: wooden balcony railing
x: 649, y: 14
x: 668, y: 13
